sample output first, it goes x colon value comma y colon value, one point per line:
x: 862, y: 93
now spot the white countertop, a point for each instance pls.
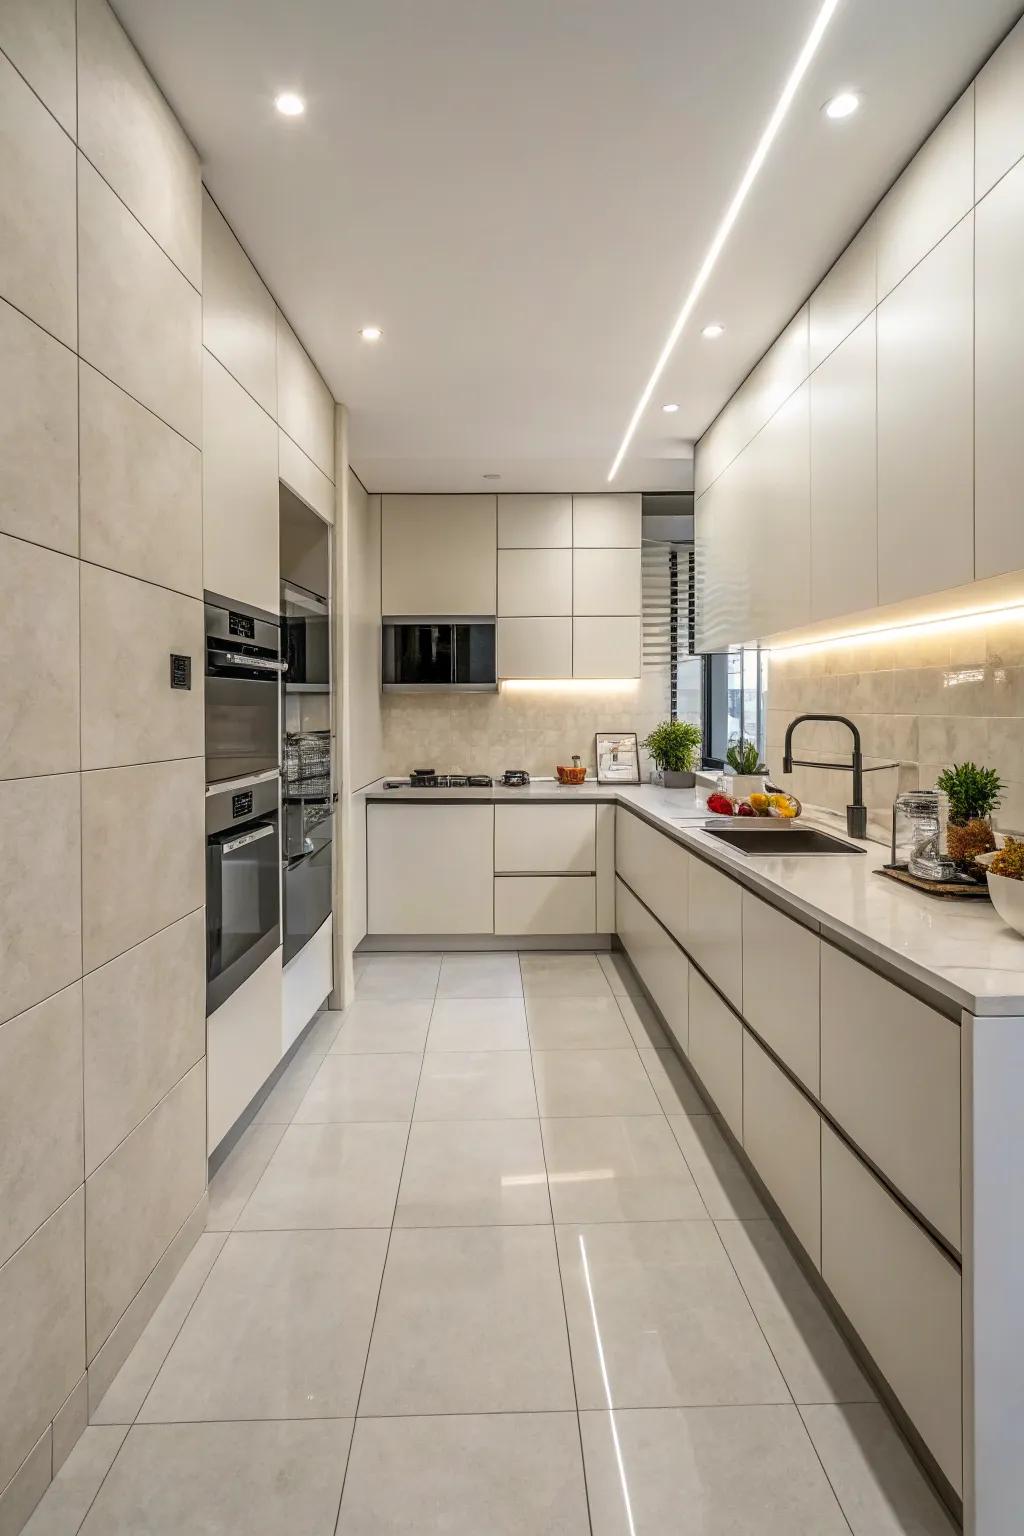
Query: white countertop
x: 960, y: 950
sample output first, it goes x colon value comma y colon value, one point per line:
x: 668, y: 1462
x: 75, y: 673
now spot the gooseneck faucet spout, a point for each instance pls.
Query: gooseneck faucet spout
x: 856, y: 811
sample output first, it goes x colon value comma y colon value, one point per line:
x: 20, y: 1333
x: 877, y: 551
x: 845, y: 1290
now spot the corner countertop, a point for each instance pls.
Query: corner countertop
x: 961, y: 951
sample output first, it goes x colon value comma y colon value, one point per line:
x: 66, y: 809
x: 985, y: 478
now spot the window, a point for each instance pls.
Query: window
x: 734, y: 684
x: 668, y: 592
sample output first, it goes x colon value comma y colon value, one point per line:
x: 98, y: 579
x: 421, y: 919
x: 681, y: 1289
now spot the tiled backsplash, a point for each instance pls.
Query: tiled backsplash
x: 923, y: 700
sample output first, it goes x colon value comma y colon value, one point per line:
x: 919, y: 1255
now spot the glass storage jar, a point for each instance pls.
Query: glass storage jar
x: 919, y: 834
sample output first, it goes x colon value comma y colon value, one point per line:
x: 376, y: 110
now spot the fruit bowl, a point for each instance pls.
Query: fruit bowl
x: 1007, y: 895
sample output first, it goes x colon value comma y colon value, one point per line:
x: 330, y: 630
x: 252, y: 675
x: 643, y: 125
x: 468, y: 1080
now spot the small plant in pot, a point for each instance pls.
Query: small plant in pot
x: 674, y: 745
x: 973, y: 794
x: 1005, y: 871
x: 748, y: 771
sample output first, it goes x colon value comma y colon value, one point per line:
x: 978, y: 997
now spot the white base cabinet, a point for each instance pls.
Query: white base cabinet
x: 545, y: 839
x: 545, y: 904
x: 781, y: 986
x: 782, y: 1138
x: 243, y: 1046
x: 660, y: 964
x: 430, y: 868
x: 716, y: 1050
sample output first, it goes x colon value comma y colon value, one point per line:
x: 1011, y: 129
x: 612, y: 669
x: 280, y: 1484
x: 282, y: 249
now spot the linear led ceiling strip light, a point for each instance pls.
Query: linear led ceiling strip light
x: 760, y: 154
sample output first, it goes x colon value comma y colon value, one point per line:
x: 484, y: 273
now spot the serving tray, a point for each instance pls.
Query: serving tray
x: 945, y: 890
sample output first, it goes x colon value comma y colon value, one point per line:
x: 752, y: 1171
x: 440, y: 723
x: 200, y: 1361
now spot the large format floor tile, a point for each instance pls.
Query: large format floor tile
x: 641, y: 1021
x: 478, y: 1024
x: 222, y: 1479
x: 361, y: 1088
x: 279, y: 1330
x: 676, y: 1090
x: 706, y: 1472
x: 399, y: 976
x: 500, y: 1474
x: 329, y: 1176
x: 476, y: 1085
x: 473, y: 1173
x: 657, y: 1318
x: 547, y: 975
x: 575, y: 1023
x: 382, y: 1025
x: 615, y: 1168
x: 621, y: 976
x: 66, y: 1502
x: 469, y: 1321
x: 239, y: 1173
x: 489, y: 975
x: 593, y: 1083
x: 881, y: 1489
x: 724, y: 1187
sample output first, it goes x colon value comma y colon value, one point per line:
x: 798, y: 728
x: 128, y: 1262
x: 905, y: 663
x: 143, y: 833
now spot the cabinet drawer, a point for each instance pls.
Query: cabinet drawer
x: 544, y: 839
x: 243, y: 1047
x: 900, y: 1292
x: 715, y: 924
x: 430, y: 868
x: 890, y: 1076
x: 544, y: 904
x: 716, y: 1050
x: 655, y: 868
x: 660, y: 964
x: 781, y: 986
x: 782, y: 1138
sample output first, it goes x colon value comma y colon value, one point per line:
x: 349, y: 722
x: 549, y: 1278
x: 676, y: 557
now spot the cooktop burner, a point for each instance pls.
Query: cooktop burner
x: 423, y: 778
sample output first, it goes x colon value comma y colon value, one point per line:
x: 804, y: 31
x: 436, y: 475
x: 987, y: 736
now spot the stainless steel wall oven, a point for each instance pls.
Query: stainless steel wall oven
x: 243, y: 671
x: 243, y: 884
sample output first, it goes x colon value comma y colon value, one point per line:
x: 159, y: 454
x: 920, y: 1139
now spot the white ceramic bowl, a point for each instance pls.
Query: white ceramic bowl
x: 1008, y: 899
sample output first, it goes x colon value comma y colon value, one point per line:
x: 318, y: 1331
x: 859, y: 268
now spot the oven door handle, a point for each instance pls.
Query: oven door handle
x: 245, y: 839
x: 257, y: 663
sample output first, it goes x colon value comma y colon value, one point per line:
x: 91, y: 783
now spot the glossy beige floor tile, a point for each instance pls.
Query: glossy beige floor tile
x: 621, y: 976
x: 615, y: 1168
x: 559, y: 975
x: 473, y: 1173
x: 488, y: 975
x: 224, y: 1479
x: 641, y: 1021
x: 478, y: 1024
x: 476, y: 1085
x: 499, y: 1474
x: 383, y: 1026
x: 881, y: 1489
x: 470, y: 1320
x: 361, y: 1088
x: 576, y: 1023
x: 656, y: 1311
x: 724, y: 1187
x: 676, y: 1090
x: 279, y: 1331
x: 329, y: 1176
x: 810, y: 1351
x: 706, y: 1472
x: 239, y: 1173
x: 66, y: 1502
x: 593, y: 1083
x: 399, y: 976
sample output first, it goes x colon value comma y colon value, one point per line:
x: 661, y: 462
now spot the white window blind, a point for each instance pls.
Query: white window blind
x: 667, y: 571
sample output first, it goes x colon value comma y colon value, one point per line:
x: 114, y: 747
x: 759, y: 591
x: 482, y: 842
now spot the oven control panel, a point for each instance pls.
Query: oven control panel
x: 241, y: 804
x: 242, y: 625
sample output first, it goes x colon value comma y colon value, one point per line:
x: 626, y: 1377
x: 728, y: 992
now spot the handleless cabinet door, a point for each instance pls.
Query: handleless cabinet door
x: 999, y: 377
x: 780, y: 986
x: 933, y: 193
x: 544, y: 839
x: 439, y: 556
x: 606, y: 648
x: 716, y: 1050
x: 715, y: 928
x: 655, y: 868
x: 430, y: 868
x: 533, y: 648
x: 544, y: 904
x: 606, y: 581
x: 534, y: 583
x: 534, y: 522
x: 606, y: 522
x: 782, y: 1138
x: 660, y: 964
x: 844, y: 491
x: 999, y: 112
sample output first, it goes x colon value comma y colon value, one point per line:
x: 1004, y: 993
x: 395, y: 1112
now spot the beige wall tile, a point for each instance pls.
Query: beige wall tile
x: 42, y: 1331
x: 130, y: 712
x: 38, y: 434
x: 141, y: 490
x: 241, y: 494
x: 142, y: 853
x: 27, y: 1486
x: 140, y: 320
x: 239, y: 314
x: 40, y: 1114
x: 134, y: 140
x: 139, y: 1197
x: 69, y: 1422
x: 40, y: 889
x: 145, y: 1025
x: 38, y: 660
x: 37, y: 209
x: 38, y: 36
x: 305, y: 406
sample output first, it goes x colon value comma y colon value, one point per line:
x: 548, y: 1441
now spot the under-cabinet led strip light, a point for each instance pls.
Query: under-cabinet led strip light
x: 760, y: 154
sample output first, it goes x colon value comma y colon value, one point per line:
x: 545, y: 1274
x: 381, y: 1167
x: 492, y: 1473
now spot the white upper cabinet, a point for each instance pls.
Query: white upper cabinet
x: 844, y: 297
x: 606, y: 581
x: 783, y: 369
x: 439, y: 556
x: 535, y: 582
x: 606, y: 522
x: 534, y: 522
x: 606, y: 648
x: 534, y: 648
x: 844, y: 531
x: 305, y: 407
x: 999, y: 374
x: 241, y: 539
x: 933, y: 194
x: 925, y: 424
x: 239, y: 315
x: 774, y: 535
x: 723, y: 558
x: 999, y: 112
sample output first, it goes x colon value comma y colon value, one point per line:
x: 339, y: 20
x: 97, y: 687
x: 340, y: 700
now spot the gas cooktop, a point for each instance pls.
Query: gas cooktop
x: 421, y: 779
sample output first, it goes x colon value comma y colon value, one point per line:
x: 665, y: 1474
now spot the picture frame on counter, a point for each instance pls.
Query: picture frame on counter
x: 618, y: 757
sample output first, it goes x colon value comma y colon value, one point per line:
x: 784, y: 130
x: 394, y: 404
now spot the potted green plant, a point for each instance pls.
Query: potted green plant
x: 748, y: 771
x: 973, y: 794
x: 673, y: 745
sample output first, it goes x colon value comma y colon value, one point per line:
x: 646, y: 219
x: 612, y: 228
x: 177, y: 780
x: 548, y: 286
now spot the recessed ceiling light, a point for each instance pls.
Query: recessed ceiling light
x: 732, y: 213
x: 713, y: 330
x: 289, y: 105
x: 843, y: 105
x: 670, y: 408
x: 371, y: 333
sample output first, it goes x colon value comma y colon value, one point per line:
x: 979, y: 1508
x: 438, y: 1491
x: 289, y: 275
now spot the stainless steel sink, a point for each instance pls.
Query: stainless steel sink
x: 780, y: 838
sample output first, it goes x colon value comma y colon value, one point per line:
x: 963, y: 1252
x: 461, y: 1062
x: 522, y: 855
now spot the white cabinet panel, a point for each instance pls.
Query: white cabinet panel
x: 723, y: 559
x: 534, y: 522
x: 439, y: 556
x: 549, y: 839
x: 656, y: 868
x: 782, y: 1138
x: 775, y: 521
x: 999, y: 375
x: 606, y: 522
x: 844, y: 492
x: 780, y: 986
x: 715, y: 928
x: 307, y: 981
x: 900, y: 1292
x: 606, y: 648
x: 925, y: 422
x: 534, y: 582
x: 241, y: 539
x: 934, y: 192
x: 544, y: 904
x: 606, y: 581
x: 604, y: 921
x: 783, y: 369
x: 239, y: 315
x: 305, y: 407
x: 999, y: 112
x: 890, y: 1076
x: 243, y: 1046
x: 534, y: 648
x: 716, y: 1050
x: 298, y: 472
x: 660, y: 964
x: 430, y: 868
x: 844, y: 297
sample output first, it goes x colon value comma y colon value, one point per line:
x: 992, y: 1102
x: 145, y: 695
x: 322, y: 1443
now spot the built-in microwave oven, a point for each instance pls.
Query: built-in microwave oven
x: 422, y: 655
x: 243, y: 684
x: 306, y: 639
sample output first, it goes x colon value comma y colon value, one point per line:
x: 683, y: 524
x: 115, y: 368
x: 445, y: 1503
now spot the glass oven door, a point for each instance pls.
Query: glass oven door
x: 243, y: 903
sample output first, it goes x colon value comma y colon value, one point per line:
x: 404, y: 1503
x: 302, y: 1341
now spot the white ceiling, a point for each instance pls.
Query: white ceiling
x: 520, y: 193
